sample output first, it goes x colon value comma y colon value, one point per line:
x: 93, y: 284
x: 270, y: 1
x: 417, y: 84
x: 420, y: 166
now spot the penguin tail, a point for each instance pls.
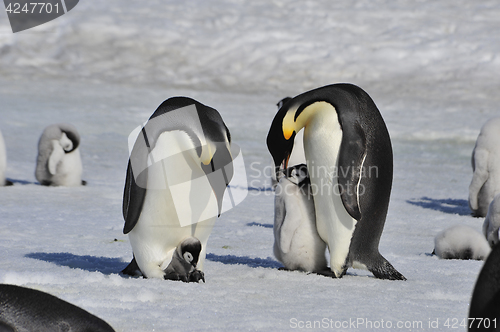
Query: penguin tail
x: 384, y: 270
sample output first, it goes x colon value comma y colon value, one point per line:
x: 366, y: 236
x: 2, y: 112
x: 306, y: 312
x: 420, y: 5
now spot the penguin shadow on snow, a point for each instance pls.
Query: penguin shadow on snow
x: 244, y: 260
x: 447, y: 205
x: 105, y: 265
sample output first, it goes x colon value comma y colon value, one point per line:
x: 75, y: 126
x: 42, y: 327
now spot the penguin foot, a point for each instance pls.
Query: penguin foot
x: 386, y: 271
x: 84, y: 183
x: 283, y: 269
x: 196, y: 276
x: 175, y: 276
x: 327, y: 273
x: 8, y: 183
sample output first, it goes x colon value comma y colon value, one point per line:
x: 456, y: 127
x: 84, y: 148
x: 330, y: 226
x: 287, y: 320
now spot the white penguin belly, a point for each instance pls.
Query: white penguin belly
x: 69, y: 170
x: 158, y: 231
x: 322, y: 139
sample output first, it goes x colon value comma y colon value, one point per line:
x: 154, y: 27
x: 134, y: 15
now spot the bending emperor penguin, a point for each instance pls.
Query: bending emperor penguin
x: 178, y: 171
x: 58, y: 162
x: 26, y: 309
x: 349, y: 159
x: 485, y: 182
x: 296, y: 241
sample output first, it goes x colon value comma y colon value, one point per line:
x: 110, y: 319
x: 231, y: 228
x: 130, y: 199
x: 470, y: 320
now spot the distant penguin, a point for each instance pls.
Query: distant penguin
x: 59, y: 162
x: 26, y: 309
x: 182, y: 266
x: 3, y: 163
x: 491, y: 225
x: 178, y: 171
x: 296, y: 241
x: 349, y: 158
x: 484, y: 312
x: 461, y: 242
x: 485, y: 182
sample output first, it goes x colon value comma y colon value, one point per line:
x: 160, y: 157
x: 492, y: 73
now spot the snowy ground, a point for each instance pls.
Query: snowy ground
x: 431, y: 67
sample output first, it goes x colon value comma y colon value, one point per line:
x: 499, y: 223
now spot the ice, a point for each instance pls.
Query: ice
x: 431, y: 68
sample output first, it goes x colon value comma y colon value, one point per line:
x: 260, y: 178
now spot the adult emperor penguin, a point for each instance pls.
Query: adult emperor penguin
x: 26, y: 309
x: 484, y: 312
x: 349, y: 159
x: 485, y: 182
x: 296, y: 241
x: 178, y: 171
x: 58, y: 161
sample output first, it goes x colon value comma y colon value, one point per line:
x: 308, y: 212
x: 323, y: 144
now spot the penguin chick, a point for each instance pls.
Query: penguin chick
x: 485, y: 182
x: 184, y: 261
x: 58, y: 161
x: 491, y: 224
x: 296, y: 241
x: 461, y: 242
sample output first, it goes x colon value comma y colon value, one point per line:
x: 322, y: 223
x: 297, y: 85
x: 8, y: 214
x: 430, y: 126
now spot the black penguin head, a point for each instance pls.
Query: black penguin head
x: 298, y: 174
x: 280, y: 147
x: 73, y: 138
x: 190, y: 250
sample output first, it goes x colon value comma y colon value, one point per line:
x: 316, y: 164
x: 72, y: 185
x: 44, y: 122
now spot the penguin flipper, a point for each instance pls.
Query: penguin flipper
x: 485, y: 301
x: 350, y: 167
x: 133, y: 199
x: 55, y: 157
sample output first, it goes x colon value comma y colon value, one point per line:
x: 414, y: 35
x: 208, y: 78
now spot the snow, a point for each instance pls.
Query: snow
x: 431, y: 68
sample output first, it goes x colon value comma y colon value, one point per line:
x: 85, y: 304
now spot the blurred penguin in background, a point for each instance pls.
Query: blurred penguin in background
x: 491, y: 224
x: 3, y: 163
x: 485, y: 182
x: 59, y: 162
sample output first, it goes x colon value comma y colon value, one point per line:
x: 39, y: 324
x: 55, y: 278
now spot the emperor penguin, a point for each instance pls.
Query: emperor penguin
x: 178, y: 171
x: 3, y: 163
x: 491, y: 225
x: 484, y: 312
x: 296, y: 241
x: 485, y: 182
x: 349, y: 159
x: 461, y: 242
x: 58, y: 161
x: 26, y: 309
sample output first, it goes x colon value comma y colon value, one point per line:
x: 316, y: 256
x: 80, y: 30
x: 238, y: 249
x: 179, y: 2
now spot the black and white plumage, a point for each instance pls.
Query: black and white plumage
x: 178, y: 171
x: 297, y: 243
x: 59, y: 162
x: 182, y: 266
x: 349, y: 158
x: 461, y: 242
x: 485, y: 184
x: 26, y: 309
x: 484, y: 312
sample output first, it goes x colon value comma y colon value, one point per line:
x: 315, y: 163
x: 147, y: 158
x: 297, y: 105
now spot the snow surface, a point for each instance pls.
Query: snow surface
x: 431, y: 67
